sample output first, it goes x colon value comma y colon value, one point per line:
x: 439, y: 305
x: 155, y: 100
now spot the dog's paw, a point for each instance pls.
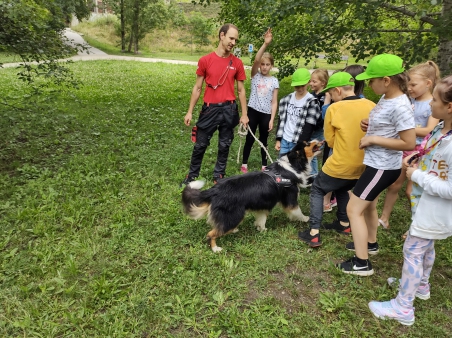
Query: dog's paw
x: 235, y: 230
x: 216, y: 249
x: 261, y: 228
x: 305, y: 219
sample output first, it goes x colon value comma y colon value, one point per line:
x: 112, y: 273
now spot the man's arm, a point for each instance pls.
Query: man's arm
x: 242, y: 97
x: 195, y: 94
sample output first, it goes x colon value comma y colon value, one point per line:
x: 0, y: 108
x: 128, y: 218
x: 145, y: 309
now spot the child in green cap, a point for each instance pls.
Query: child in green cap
x: 389, y: 132
x: 298, y: 114
x: 343, y: 168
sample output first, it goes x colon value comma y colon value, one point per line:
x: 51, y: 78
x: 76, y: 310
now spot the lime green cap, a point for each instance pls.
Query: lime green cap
x: 339, y: 79
x: 300, y: 77
x: 382, y: 65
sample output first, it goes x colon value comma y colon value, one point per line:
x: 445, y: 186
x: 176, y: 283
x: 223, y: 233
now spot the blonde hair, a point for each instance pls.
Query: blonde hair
x: 428, y: 70
x: 322, y: 75
x: 268, y: 56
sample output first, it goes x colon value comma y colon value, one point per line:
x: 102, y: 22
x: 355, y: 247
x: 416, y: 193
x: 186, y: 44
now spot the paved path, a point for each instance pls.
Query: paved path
x: 92, y: 53
x: 76, y: 39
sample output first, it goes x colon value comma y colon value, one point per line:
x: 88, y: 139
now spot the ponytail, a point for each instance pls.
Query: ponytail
x: 401, y: 80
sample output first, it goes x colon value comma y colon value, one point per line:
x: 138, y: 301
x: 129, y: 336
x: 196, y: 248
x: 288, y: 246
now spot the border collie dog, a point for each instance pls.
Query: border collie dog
x: 226, y: 203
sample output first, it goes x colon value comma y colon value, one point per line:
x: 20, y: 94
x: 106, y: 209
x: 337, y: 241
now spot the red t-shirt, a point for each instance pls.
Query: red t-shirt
x: 220, y: 72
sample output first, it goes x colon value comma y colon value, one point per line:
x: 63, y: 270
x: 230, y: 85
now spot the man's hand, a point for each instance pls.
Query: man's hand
x: 244, y: 120
x: 278, y: 145
x: 187, y: 119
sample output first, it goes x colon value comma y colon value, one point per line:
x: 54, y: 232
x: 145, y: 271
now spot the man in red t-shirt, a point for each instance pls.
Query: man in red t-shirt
x: 219, y: 70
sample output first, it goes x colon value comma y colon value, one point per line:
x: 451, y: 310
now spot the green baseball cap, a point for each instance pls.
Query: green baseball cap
x: 300, y: 77
x: 339, y: 79
x: 382, y: 65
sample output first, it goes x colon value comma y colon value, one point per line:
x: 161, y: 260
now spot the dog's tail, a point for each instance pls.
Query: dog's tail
x: 195, y: 205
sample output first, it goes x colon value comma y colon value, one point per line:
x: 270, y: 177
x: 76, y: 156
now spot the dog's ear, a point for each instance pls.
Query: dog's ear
x: 308, y: 149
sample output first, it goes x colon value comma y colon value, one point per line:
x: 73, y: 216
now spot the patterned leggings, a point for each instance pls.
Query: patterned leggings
x: 418, y: 259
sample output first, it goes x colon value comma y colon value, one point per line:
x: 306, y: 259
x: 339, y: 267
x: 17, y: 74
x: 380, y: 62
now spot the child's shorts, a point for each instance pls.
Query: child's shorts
x: 373, y: 181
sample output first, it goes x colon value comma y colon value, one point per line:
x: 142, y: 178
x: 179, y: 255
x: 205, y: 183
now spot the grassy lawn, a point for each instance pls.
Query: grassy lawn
x: 93, y: 242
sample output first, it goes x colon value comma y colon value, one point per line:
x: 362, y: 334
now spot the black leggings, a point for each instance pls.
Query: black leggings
x: 256, y: 119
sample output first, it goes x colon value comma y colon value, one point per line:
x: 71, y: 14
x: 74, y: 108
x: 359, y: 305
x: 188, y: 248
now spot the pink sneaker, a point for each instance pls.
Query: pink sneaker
x: 243, y: 169
x: 390, y: 310
x: 422, y: 292
x: 264, y: 167
x: 333, y: 203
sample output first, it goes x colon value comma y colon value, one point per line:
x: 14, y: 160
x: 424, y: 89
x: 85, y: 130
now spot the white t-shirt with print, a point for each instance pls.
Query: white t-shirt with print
x: 294, y: 110
x: 261, y: 96
x: 387, y: 119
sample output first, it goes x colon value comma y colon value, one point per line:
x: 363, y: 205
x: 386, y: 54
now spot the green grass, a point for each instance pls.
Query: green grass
x: 93, y: 242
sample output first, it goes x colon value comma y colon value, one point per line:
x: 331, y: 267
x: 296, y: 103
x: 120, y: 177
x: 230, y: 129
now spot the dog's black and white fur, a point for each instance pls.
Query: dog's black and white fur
x: 226, y: 203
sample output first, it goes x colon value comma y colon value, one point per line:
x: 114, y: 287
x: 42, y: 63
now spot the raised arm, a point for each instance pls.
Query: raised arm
x: 268, y: 37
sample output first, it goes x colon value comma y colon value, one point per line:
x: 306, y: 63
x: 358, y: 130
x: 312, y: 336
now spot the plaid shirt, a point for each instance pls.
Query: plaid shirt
x: 310, y: 114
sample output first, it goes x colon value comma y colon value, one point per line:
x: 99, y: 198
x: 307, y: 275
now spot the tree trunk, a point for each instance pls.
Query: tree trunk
x: 123, y: 27
x: 130, y: 42
x: 445, y: 44
x: 135, y: 46
x: 136, y: 17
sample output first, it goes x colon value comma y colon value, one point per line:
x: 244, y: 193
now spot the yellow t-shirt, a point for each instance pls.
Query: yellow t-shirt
x: 343, y: 133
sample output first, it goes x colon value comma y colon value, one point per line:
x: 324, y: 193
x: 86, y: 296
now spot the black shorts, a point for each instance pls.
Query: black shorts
x: 373, y: 181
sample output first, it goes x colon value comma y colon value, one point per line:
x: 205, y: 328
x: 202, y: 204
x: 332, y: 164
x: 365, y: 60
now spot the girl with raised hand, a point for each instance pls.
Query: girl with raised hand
x: 432, y: 218
x: 423, y: 79
x: 263, y: 101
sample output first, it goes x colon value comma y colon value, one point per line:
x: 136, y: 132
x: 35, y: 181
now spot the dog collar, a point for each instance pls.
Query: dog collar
x: 278, y: 179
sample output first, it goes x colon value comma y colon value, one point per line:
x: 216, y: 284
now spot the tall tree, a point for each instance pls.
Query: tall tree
x: 139, y: 17
x: 414, y: 29
x: 199, y: 29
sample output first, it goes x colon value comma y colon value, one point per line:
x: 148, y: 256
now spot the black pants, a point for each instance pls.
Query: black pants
x: 322, y: 185
x: 219, y: 119
x: 261, y: 120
